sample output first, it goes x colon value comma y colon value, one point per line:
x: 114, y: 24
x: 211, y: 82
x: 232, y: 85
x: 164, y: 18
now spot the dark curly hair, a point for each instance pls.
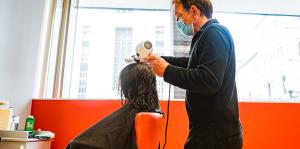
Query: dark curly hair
x: 137, y: 84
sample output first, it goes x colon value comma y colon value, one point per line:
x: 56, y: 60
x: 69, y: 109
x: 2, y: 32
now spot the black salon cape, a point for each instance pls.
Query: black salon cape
x: 115, y: 131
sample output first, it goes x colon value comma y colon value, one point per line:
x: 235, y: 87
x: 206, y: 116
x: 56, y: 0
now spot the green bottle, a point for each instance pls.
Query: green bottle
x: 29, y: 124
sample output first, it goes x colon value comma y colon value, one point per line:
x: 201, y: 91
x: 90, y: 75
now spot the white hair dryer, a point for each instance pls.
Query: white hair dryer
x: 143, y: 49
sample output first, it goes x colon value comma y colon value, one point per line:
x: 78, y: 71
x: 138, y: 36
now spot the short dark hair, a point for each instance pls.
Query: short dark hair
x: 205, y: 6
x: 137, y: 83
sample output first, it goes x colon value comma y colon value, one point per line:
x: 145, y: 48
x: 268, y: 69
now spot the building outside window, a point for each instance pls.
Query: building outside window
x: 84, y: 63
x: 123, y: 48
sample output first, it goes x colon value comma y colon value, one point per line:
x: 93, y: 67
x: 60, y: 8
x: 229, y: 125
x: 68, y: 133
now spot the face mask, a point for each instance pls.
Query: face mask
x: 185, y: 29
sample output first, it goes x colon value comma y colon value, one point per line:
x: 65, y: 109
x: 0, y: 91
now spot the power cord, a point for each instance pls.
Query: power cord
x: 168, y: 113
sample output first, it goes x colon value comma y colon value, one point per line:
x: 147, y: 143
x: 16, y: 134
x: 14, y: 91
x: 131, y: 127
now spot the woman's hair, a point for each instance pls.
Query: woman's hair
x: 205, y: 6
x: 137, y: 84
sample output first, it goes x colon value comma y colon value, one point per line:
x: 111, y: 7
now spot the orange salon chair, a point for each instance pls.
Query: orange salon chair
x: 149, y: 130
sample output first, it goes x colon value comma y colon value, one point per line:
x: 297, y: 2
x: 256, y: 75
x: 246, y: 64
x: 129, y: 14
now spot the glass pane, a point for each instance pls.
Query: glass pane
x: 104, y: 38
x: 267, y: 56
x: 267, y: 51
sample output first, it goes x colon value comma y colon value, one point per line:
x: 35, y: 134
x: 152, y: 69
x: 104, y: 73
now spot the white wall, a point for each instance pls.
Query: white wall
x: 20, y: 25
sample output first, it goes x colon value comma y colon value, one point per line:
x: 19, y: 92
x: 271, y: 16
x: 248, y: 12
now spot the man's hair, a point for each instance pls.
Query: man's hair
x: 205, y: 6
x: 137, y: 83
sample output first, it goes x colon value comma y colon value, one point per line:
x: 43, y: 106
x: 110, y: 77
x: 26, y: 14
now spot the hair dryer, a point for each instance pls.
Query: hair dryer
x: 143, y: 49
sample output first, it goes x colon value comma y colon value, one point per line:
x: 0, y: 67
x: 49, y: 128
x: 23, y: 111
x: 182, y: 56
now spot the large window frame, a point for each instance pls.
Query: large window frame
x: 63, y: 12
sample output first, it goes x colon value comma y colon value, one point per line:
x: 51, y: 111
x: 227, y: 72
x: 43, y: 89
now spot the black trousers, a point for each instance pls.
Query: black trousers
x: 214, y: 142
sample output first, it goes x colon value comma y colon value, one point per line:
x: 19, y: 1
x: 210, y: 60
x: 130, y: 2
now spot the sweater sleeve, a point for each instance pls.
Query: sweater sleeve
x: 211, y: 57
x: 177, y: 61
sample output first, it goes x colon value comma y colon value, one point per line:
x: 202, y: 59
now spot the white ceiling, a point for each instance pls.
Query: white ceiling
x: 286, y: 7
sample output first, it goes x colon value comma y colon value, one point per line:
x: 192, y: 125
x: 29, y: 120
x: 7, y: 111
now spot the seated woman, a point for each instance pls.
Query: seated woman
x: 137, y: 84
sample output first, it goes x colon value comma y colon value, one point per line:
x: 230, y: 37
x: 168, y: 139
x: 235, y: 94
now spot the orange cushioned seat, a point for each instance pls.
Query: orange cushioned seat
x: 149, y: 130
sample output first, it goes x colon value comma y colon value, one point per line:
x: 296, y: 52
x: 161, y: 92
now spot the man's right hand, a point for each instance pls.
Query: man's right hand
x: 157, y: 64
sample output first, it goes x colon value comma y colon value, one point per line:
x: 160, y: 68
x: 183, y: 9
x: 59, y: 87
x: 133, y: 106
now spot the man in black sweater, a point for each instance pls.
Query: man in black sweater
x: 208, y: 75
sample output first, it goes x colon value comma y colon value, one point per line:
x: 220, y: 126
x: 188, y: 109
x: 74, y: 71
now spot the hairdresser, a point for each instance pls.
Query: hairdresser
x: 207, y: 75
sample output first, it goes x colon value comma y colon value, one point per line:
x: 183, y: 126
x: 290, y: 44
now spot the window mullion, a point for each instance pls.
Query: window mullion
x: 61, y: 50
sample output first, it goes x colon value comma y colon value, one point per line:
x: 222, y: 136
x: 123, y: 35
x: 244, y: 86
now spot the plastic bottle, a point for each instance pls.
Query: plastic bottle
x: 16, y: 120
x: 29, y: 124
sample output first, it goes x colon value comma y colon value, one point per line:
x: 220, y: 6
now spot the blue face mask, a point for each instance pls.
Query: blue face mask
x: 185, y: 29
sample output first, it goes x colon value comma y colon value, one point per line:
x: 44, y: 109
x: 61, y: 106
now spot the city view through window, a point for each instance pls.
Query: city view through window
x: 267, y: 52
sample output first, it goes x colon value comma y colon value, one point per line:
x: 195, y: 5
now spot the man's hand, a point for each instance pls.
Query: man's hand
x: 157, y: 64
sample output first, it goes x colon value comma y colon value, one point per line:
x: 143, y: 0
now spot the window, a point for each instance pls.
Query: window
x: 103, y: 37
x: 103, y: 34
x: 299, y: 47
x: 266, y: 55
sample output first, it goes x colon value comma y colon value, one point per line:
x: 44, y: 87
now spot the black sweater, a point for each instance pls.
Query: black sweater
x: 208, y: 75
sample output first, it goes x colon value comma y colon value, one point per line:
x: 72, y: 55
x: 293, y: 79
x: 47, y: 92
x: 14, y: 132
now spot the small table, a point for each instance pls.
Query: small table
x: 16, y: 143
